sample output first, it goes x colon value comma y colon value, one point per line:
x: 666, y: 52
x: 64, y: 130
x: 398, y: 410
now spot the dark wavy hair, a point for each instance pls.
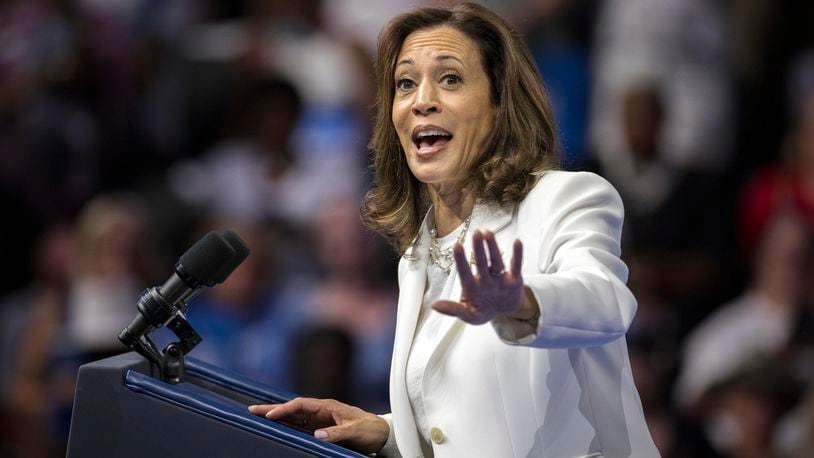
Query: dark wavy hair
x: 522, y: 142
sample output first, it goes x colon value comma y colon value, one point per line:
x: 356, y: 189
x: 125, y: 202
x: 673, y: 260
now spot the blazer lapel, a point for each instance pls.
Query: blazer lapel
x: 411, y: 292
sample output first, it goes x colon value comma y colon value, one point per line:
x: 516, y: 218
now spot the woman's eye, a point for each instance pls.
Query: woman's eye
x: 451, y: 79
x: 404, y: 84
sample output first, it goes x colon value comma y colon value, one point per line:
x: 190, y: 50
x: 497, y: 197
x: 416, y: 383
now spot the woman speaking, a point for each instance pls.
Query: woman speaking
x: 513, y: 346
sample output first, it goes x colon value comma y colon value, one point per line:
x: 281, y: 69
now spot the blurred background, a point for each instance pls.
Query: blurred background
x: 129, y: 128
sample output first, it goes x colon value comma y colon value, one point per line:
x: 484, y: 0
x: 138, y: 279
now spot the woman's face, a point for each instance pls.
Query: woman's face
x: 442, y: 109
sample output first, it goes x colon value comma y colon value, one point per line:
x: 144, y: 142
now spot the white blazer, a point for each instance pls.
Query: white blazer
x: 563, y: 391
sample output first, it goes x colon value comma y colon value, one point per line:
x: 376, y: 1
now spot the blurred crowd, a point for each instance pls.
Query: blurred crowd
x: 129, y: 128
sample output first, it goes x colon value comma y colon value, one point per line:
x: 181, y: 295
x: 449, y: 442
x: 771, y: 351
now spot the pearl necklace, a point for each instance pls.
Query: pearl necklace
x: 444, y: 258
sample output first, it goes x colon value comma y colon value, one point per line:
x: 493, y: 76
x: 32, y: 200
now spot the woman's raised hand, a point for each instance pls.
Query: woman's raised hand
x: 493, y: 292
x: 330, y: 420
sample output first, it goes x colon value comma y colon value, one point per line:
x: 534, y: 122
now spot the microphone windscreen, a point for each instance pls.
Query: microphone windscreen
x: 241, y: 252
x: 204, y: 261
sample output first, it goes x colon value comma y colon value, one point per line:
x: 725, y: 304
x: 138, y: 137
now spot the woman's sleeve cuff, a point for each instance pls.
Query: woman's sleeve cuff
x: 390, y: 449
x: 517, y: 332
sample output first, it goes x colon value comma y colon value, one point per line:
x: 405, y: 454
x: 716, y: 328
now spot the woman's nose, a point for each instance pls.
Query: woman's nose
x: 426, y: 102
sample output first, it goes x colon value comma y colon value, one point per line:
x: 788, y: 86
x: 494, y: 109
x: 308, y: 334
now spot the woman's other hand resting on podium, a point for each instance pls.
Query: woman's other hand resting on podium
x: 330, y: 420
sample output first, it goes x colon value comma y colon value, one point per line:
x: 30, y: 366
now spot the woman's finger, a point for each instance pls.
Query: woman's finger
x: 297, y: 409
x: 463, y: 312
x: 495, y: 258
x: 464, y: 270
x: 480, y: 254
x: 517, y: 259
x: 262, y: 409
x: 452, y: 308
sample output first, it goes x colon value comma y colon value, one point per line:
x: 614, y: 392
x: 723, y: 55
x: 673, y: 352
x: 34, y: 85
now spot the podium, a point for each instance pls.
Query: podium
x: 123, y: 409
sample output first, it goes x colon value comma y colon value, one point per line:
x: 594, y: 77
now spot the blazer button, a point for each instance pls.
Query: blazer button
x: 436, y: 435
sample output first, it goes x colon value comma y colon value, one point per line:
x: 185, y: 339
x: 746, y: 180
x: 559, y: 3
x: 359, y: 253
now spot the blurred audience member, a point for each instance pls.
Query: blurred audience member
x: 675, y: 434
x: 743, y: 409
x: 356, y: 295
x: 654, y: 342
x: 138, y: 93
x: 760, y: 321
x: 331, y: 71
x: 114, y: 263
x: 30, y: 324
x: 682, y: 44
x: 676, y: 222
x: 560, y: 34
x: 90, y: 278
x: 49, y: 137
x: 360, y: 20
x: 791, y: 181
x: 323, y: 362
x: 249, y: 322
x: 252, y: 174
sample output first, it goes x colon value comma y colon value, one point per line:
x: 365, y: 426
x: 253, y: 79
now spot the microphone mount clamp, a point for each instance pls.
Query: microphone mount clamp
x: 170, y: 360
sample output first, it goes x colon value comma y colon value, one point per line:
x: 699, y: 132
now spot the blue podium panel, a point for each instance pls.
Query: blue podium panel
x: 122, y: 410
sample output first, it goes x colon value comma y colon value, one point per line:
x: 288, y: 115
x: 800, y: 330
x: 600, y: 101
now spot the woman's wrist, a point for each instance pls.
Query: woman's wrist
x: 383, y: 427
x: 529, y: 310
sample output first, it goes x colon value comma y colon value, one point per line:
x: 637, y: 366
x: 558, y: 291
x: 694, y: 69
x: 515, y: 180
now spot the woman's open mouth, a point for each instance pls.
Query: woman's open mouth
x: 429, y: 140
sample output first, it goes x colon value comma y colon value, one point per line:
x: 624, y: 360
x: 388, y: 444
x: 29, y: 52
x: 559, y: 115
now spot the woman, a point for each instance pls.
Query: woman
x: 523, y: 358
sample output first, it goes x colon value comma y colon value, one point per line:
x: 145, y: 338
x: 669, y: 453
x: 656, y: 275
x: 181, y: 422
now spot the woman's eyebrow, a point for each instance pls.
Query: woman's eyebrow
x: 440, y: 58
x: 444, y: 57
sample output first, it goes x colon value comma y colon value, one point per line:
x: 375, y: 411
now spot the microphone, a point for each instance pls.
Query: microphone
x: 241, y: 252
x: 208, y: 262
